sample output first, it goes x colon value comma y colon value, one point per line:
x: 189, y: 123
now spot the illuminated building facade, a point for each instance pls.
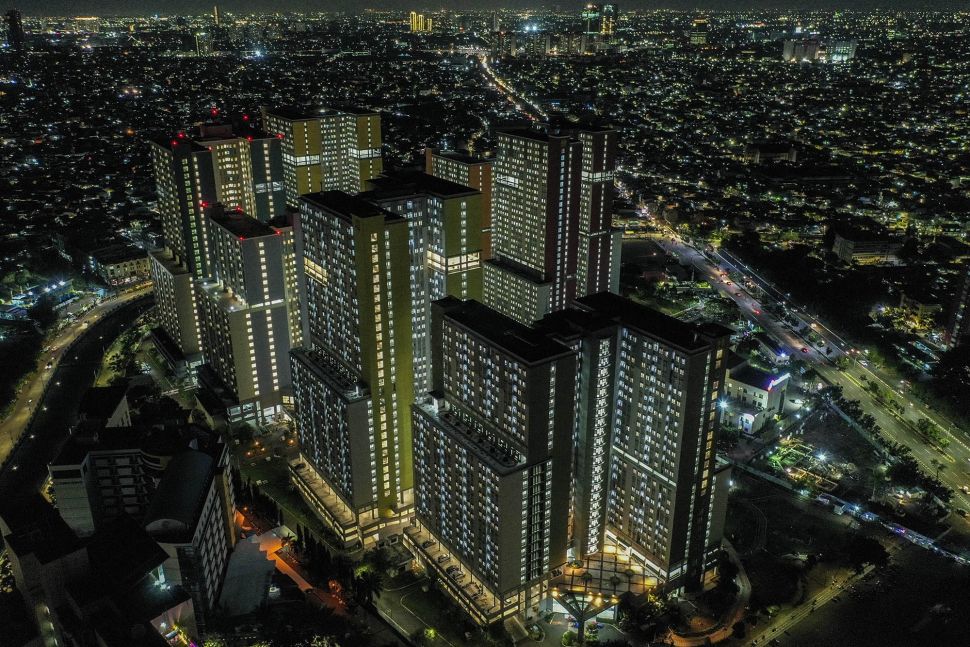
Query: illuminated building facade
x: 700, y: 30
x: 247, y: 323
x: 444, y: 230
x: 239, y: 168
x: 326, y: 149
x: 668, y: 377
x: 175, y: 308
x: 598, y: 257
x: 469, y: 171
x: 355, y: 275
x: 420, y: 23
x: 616, y: 403
x: 492, y: 453
x: 552, y: 220
x: 599, y: 19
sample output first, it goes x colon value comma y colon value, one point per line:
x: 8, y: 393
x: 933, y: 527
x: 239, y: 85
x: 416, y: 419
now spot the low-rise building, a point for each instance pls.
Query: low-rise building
x: 752, y: 397
x: 190, y: 516
x: 865, y: 247
x: 119, y: 265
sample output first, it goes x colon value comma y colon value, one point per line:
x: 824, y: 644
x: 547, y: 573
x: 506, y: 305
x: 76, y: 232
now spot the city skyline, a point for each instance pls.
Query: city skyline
x: 196, y: 7
x: 425, y: 327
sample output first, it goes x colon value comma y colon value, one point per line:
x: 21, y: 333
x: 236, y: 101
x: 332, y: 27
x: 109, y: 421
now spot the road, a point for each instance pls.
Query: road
x: 523, y: 104
x: 790, y: 617
x: 900, y: 428
x: 725, y: 628
x: 26, y: 466
x: 32, y: 390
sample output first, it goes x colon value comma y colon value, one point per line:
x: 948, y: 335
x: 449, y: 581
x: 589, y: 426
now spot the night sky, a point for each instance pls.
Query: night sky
x: 165, y: 7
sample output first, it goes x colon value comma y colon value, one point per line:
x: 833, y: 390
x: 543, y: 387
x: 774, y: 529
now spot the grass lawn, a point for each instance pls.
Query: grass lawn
x: 439, y: 612
x: 277, y: 487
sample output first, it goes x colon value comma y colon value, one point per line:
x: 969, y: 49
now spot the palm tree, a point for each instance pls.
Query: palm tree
x: 368, y: 585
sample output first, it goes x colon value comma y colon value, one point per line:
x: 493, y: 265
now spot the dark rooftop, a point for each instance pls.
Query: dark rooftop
x: 99, y: 402
x: 103, y: 439
x: 688, y: 336
x: 180, y: 494
x: 293, y: 113
x: 419, y: 182
x: 528, y: 344
x: 118, y: 253
x: 524, y: 133
x: 241, y: 225
x: 347, y: 206
x: 36, y: 527
x: 122, y: 553
x: 460, y: 156
x: 753, y: 376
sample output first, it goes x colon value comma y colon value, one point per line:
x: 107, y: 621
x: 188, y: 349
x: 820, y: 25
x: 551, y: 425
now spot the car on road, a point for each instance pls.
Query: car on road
x: 737, y: 294
x: 965, y: 489
x: 804, y: 349
x: 49, y: 365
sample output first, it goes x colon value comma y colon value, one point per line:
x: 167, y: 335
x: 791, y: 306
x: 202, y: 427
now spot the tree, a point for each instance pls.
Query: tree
x: 738, y: 630
x: 368, y: 585
x: 861, y: 550
x: 43, y: 312
x: 923, y: 425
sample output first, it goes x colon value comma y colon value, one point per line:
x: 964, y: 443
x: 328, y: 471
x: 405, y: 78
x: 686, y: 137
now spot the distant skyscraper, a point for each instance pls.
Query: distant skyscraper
x: 355, y: 376
x: 798, y: 51
x: 592, y: 19
x: 16, y: 37
x: 700, y: 31
x: 608, y: 17
x: 215, y: 15
x: 552, y: 201
x: 599, y: 19
x: 326, y: 149
x: 420, y: 23
x: 496, y: 22
x: 203, y: 44
x: 840, y: 51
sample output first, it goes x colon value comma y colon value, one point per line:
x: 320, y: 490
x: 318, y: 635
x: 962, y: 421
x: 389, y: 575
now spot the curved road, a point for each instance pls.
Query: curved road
x: 26, y: 465
x: 28, y: 399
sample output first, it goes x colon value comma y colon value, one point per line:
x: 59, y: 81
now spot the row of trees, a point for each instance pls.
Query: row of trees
x: 903, y: 469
